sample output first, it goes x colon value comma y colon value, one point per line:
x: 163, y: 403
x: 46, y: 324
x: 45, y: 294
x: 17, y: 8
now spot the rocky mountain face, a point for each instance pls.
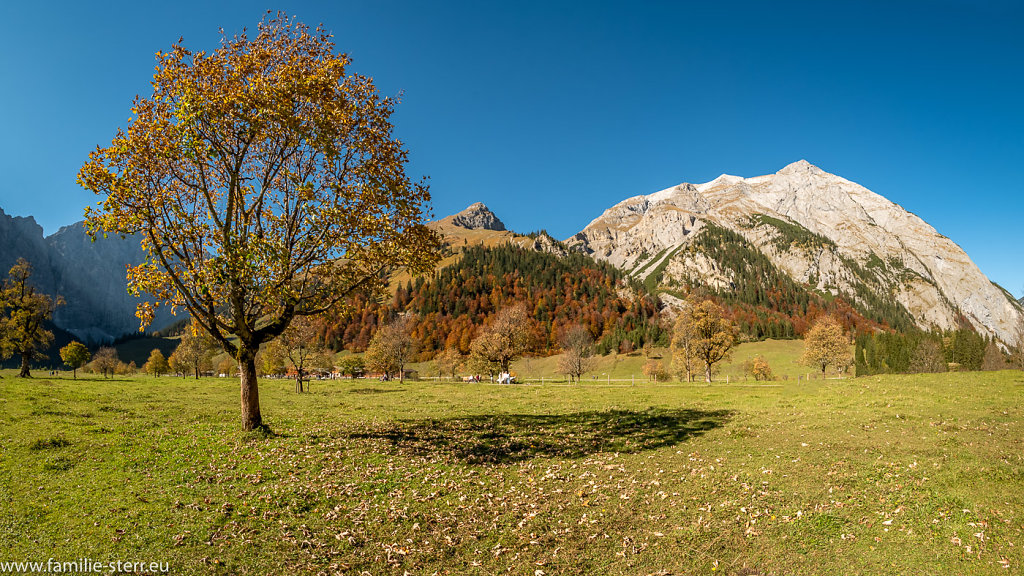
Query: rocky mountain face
x: 89, y: 275
x: 475, y: 217
x: 824, y: 231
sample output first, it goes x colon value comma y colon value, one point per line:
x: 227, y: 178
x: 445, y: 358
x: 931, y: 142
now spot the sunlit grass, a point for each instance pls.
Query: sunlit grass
x: 901, y: 474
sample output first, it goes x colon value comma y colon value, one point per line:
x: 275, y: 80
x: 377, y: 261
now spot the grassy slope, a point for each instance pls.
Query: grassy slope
x: 901, y: 475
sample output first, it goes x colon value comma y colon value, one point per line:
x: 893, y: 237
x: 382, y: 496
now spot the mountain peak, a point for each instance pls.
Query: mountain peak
x: 799, y: 167
x: 477, y: 216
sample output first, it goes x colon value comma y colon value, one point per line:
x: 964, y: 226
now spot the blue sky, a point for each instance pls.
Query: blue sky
x: 549, y: 112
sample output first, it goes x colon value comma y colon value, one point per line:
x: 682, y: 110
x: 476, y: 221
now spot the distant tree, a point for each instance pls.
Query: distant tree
x: 23, y: 317
x: 928, y: 357
x: 760, y: 369
x: 273, y: 358
x: 75, y: 355
x: 226, y: 365
x: 713, y: 334
x: 654, y: 370
x: 352, y: 366
x: 577, y: 352
x: 506, y: 338
x: 267, y: 184
x: 391, y: 348
x: 684, y: 355
x: 448, y: 361
x: 1018, y: 354
x: 157, y: 363
x: 106, y: 361
x: 994, y: 358
x: 301, y: 344
x: 177, y: 364
x: 966, y: 349
x: 196, y: 349
x: 826, y: 345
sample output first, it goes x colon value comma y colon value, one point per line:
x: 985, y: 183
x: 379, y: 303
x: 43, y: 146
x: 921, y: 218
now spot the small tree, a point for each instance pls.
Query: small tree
x: 301, y: 344
x: 352, y: 366
x: 106, y: 361
x: 826, y: 345
x: 157, y: 363
x: 712, y: 335
x: 196, y: 350
x: 654, y: 370
x: 994, y: 358
x: 928, y: 357
x: 684, y: 356
x: 177, y: 364
x: 577, y: 352
x: 75, y: 355
x: 391, y: 348
x: 506, y: 338
x: 23, y: 312
x: 760, y: 369
x: 448, y: 361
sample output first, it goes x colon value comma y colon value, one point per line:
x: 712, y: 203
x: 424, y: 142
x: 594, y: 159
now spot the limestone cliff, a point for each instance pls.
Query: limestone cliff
x: 823, y: 230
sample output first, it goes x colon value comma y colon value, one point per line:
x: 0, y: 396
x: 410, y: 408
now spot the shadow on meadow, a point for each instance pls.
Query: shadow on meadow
x: 509, y: 438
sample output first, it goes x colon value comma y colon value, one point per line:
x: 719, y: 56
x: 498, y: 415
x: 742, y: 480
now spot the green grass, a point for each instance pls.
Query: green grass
x: 878, y: 475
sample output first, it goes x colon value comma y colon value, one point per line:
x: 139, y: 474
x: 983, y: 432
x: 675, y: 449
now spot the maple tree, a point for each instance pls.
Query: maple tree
x: 106, y: 361
x: 506, y: 338
x: 711, y: 335
x: 684, y: 355
x: 24, y: 313
x: 577, y: 352
x: 195, y: 351
x: 301, y: 345
x: 826, y: 345
x: 75, y: 355
x: 267, y: 185
x: 391, y: 348
x: 156, y: 364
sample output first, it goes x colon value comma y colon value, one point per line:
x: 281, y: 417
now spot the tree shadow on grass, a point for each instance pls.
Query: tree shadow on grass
x: 509, y: 438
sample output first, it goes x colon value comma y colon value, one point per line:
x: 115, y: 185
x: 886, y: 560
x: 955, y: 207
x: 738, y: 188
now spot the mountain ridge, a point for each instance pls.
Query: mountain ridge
x: 864, y: 242
x: 90, y: 275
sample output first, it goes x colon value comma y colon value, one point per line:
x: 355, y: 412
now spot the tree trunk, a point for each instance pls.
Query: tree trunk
x: 707, y: 373
x: 251, y: 418
x: 25, y: 359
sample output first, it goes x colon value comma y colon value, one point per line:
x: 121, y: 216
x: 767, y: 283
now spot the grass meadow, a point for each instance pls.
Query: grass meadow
x: 918, y: 474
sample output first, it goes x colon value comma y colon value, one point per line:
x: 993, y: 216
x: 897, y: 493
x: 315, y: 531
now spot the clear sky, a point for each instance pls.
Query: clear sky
x: 550, y: 112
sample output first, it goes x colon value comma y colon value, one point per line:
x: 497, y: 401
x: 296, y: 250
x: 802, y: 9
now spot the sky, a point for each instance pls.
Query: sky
x: 549, y: 112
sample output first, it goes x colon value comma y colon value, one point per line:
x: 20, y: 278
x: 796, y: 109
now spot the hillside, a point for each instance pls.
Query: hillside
x: 832, y: 236
x: 557, y: 291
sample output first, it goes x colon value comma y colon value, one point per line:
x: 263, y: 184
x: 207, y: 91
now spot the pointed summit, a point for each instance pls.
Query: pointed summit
x: 477, y: 216
x: 799, y: 167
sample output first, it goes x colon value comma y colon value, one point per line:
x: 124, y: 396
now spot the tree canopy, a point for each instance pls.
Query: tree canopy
x: 826, y: 345
x: 23, y: 316
x: 266, y: 183
x: 74, y: 355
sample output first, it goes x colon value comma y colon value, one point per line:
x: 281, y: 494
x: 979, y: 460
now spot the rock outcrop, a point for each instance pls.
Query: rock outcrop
x: 823, y: 230
x: 476, y: 217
